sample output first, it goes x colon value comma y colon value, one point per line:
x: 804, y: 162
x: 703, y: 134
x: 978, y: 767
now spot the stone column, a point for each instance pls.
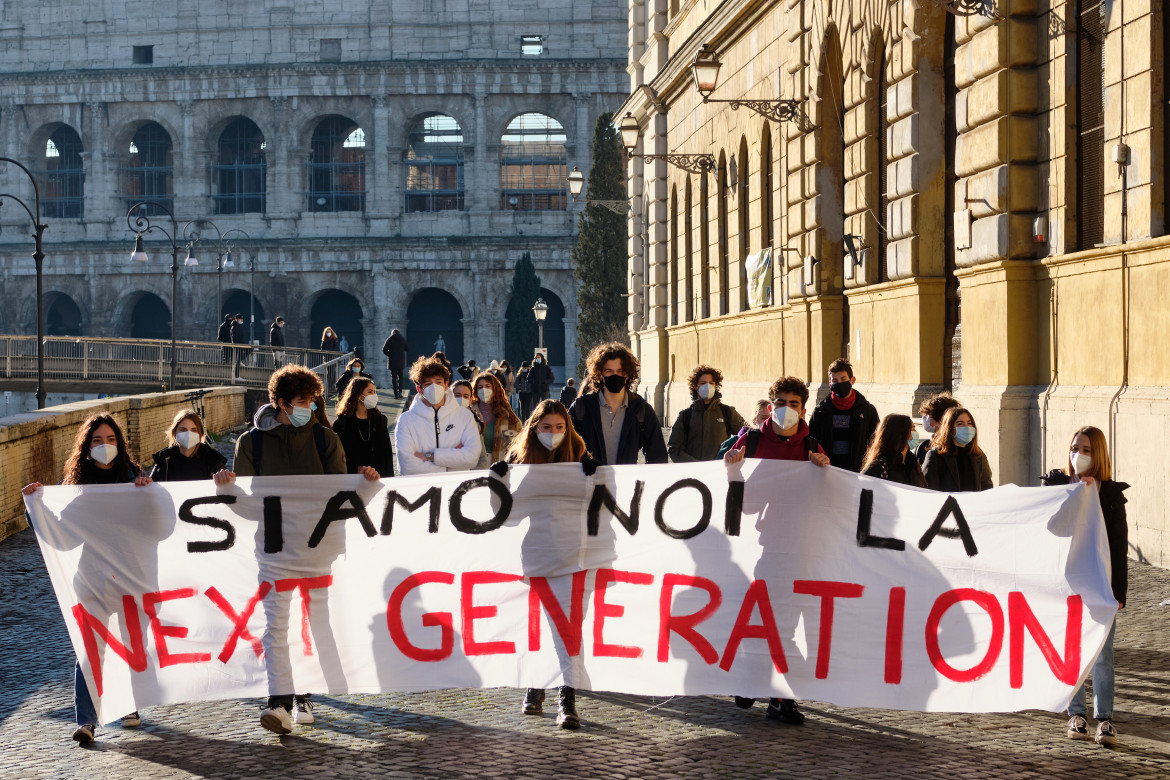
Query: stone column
x: 478, y: 182
x: 102, y: 206
x: 378, y: 177
x: 190, y: 169
x: 285, y: 175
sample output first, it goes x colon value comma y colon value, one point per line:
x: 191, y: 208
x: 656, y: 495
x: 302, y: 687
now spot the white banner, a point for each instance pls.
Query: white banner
x: 801, y: 582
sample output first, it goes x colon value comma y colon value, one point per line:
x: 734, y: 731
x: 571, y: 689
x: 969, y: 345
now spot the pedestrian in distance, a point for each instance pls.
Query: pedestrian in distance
x: 844, y: 422
x: 329, y: 342
x: 435, y: 434
x: 701, y: 428
x: 353, y: 368
x: 239, y: 339
x: 276, y: 341
x: 187, y: 457
x: 526, y: 389
x: 395, y: 350
x: 542, y: 377
x: 99, y: 456
x: 615, y: 422
x: 549, y: 437
x: 286, y: 439
x: 225, y: 336
x: 500, y: 423
x: 1089, y: 462
x: 955, y: 464
x: 568, y: 392
x: 762, y: 413
x: 363, y: 430
x: 441, y: 356
x: 468, y: 370
x: 891, y: 454
x: 508, y: 380
x: 783, y: 436
x: 932, y: 411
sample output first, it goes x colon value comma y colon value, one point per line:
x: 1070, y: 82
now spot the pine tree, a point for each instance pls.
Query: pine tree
x: 520, y: 332
x: 600, y: 257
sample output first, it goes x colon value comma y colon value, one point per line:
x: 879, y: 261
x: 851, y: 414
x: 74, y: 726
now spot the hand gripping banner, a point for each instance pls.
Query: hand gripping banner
x: 786, y: 580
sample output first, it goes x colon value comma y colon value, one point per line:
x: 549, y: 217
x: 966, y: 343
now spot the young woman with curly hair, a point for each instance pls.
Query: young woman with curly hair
x: 500, y: 423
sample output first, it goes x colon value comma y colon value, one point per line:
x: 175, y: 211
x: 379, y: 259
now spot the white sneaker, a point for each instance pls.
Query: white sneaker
x: 303, y: 712
x: 131, y: 721
x: 278, y: 720
x: 1078, y: 728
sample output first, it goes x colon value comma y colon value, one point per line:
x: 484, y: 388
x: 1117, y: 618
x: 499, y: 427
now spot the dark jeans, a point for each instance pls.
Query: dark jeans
x: 396, y: 377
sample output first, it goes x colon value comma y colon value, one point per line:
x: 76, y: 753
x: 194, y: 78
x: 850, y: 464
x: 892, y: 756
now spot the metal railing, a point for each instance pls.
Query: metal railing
x: 147, y: 362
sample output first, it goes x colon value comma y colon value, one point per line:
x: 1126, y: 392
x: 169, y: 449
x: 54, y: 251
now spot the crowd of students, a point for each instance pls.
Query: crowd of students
x: 470, y: 423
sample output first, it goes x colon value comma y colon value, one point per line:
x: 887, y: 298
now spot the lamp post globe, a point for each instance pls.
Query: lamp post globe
x: 576, y: 182
x: 630, y: 131
x: 705, y: 70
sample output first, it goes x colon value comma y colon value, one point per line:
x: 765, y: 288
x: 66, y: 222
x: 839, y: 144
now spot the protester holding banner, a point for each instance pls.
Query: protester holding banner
x: 702, y: 427
x: 891, y: 453
x: 844, y: 422
x: 784, y: 436
x: 932, y: 411
x: 435, y: 434
x: 188, y: 456
x: 362, y: 428
x: 99, y: 457
x: 500, y: 423
x: 1089, y: 462
x: 955, y: 464
x: 615, y: 422
x: 548, y: 437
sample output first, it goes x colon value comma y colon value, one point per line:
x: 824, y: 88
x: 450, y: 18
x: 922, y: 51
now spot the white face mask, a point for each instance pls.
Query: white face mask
x: 104, y: 453
x: 927, y: 424
x: 550, y: 440
x: 434, y: 393
x: 706, y: 390
x: 785, y: 417
x: 464, y: 402
x: 1080, y: 462
x: 187, y: 439
x: 485, y: 394
x: 370, y: 401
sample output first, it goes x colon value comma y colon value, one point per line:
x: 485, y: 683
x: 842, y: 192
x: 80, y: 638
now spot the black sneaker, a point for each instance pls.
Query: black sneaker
x: 1078, y: 728
x: 1106, y: 734
x: 744, y: 703
x: 785, y: 711
x: 84, y: 733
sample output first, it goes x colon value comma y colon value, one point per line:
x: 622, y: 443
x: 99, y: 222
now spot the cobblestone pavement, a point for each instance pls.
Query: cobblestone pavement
x: 467, y: 733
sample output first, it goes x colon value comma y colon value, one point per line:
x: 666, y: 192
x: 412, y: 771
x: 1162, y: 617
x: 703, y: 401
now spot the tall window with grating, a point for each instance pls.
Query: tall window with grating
x: 532, y: 164
x: 744, y: 216
x: 688, y: 255
x: 723, y: 185
x: 64, y: 175
x: 241, y: 170
x: 882, y: 217
x: 149, y: 172
x: 672, y: 239
x: 337, y: 166
x: 1090, y: 43
x: 434, y: 165
x: 704, y: 247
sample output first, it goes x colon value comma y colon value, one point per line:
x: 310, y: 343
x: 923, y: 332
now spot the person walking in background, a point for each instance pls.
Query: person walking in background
x: 500, y: 423
x: 701, y: 428
x: 395, y: 350
x: 1089, y: 462
x: 239, y: 338
x: 276, y: 340
x: 187, y: 456
x: 932, y: 411
x: 615, y: 422
x: 468, y: 370
x: 542, y: 378
x: 508, y: 379
x: 525, y: 389
x: 329, y: 342
x: 844, y: 422
x: 225, y: 336
x: 362, y: 429
x: 955, y: 464
x: 569, y: 392
x: 891, y: 455
x: 353, y: 368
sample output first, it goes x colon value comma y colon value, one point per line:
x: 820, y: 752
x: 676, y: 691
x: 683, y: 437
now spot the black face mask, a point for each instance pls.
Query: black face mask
x: 614, y: 383
x: 841, y: 389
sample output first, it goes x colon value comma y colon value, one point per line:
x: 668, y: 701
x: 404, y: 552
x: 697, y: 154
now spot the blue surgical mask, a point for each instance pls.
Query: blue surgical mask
x: 300, y: 415
x: 965, y: 436
x: 914, y: 441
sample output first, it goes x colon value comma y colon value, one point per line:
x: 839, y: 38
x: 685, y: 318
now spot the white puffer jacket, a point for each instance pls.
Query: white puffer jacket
x: 450, y: 432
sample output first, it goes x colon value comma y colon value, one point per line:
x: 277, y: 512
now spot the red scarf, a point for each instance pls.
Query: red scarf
x: 844, y: 404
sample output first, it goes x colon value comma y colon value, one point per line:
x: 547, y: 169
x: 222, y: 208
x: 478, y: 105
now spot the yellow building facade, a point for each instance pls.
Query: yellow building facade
x: 1001, y: 170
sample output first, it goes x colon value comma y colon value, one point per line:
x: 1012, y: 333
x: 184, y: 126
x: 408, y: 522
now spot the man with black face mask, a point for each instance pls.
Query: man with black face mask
x: 615, y: 422
x: 844, y: 423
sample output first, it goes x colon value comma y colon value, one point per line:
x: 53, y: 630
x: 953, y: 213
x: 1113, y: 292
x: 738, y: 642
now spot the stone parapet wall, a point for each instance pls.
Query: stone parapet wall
x: 34, y: 446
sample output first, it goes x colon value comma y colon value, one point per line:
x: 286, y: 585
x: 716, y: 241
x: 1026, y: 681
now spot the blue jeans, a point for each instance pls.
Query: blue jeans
x: 82, y: 703
x: 1102, y: 684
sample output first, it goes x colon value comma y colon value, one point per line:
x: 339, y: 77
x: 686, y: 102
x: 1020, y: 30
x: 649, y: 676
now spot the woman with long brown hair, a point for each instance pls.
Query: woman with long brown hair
x: 500, y: 423
x: 99, y: 457
x: 1089, y: 462
x: 363, y: 431
x: 549, y: 437
x: 188, y: 456
x: 891, y: 452
x: 955, y: 464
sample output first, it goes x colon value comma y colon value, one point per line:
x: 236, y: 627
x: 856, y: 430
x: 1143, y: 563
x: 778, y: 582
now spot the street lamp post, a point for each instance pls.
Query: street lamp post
x: 38, y: 258
x: 631, y: 133
x: 251, y: 283
x: 540, y: 311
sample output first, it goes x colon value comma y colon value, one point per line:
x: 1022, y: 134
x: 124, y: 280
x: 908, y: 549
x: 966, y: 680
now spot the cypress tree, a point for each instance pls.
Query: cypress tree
x: 600, y: 257
x: 520, y: 336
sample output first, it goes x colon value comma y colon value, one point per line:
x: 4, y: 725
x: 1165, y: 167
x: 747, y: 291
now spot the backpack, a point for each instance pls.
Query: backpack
x: 258, y: 445
x: 524, y: 383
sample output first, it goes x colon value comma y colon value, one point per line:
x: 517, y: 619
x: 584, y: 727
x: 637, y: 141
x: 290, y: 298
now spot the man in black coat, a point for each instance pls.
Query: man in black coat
x: 225, y: 336
x: 276, y: 339
x: 615, y: 422
x: 239, y: 337
x: 844, y: 423
x: 395, y: 350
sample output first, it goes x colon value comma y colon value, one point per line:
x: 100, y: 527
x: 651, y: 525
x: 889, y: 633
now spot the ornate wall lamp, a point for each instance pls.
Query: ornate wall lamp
x: 705, y: 70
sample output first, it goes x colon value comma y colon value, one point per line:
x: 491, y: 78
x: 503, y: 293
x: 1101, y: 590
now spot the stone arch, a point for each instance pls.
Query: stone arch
x: 147, y: 173
x: 58, y: 154
x: 433, y: 158
x: 339, y: 310
x: 431, y: 313
x: 124, y: 133
x: 533, y: 163
x: 554, y: 332
x: 464, y: 118
x: 239, y: 176
x: 142, y: 314
x: 236, y: 301
x: 338, y: 150
x: 62, y: 315
x: 551, y: 111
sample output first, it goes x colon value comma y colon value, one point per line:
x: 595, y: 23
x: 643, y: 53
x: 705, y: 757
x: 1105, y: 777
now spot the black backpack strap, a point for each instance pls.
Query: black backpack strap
x: 726, y: 410
x: 257, y: 440
x: 752, y: 442
x: 319, y: 438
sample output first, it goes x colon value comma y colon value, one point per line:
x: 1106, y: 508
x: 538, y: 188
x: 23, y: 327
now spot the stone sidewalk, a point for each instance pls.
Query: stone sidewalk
x: 481, y: 733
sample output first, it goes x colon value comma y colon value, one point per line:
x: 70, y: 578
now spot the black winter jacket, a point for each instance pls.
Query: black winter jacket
x: 170, y: 465
x: 275, y: 335
x: 862, y: 424
x: 905, y: 473
x: 366, y: 443
x: 395, y: 350
x: 942, y: 471
x: 645, y: 436
x: 1113, y: 503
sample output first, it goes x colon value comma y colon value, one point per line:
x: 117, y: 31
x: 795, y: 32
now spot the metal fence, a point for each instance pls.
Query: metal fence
x: 143, y: 361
